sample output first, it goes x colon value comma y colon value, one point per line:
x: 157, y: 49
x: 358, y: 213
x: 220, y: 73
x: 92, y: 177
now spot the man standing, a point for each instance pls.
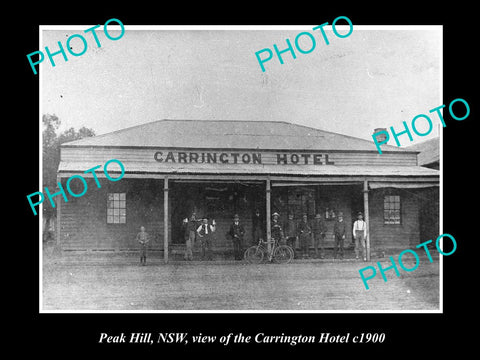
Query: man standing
x: 190, y: 233
x: 339, y: 234
x: 304, y: 235
x: 276, y: 228
x: 291, y: 231
x: 319, y: 229
x: 360, y: 233
x: 236, y: 232
x: 257, y: 227
x: 205, y: 233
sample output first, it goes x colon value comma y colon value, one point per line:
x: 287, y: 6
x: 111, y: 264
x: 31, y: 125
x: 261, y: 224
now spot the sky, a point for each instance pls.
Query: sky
x: 371, y: 79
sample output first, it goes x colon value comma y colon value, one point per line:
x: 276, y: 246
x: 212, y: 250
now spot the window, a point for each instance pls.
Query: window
x: 391, y: 209
x: 116, y: 208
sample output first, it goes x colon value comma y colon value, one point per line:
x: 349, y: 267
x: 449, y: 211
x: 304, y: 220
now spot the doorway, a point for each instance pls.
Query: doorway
x: 215, y: 200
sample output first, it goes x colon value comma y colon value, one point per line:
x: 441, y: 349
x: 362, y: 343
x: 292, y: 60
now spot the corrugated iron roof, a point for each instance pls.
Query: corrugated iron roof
x: 227, y: 134
x: 429, y: 151
x: 258, y: 169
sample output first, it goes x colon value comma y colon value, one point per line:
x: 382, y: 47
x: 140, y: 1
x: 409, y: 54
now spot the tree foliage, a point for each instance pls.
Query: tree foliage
x: 51, y: 142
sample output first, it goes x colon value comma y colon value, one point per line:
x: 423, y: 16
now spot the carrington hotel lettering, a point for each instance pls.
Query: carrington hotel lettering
x: 241, y: 158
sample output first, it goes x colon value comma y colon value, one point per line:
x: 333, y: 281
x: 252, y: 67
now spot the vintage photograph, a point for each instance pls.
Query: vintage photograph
x: 187, y: 173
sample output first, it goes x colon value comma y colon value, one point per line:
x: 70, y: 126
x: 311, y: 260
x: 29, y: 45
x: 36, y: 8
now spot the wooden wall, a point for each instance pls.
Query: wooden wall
x: 146, y: 155
x: 394, y: 236
x: 83, y: 220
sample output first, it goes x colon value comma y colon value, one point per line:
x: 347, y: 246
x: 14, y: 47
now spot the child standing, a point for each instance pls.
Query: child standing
x: 143, y: 239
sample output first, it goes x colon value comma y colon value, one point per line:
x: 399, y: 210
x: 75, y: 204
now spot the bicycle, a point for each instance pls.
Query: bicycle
x: 281, y: 254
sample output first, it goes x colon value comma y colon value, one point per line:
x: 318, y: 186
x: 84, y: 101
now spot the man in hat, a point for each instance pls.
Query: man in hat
x: 304, y: 235
x: 339, y: 234
x: 319, y: 229
x: 276, y: 228
x: 236, y: 232
x: 291, y: 231
x: 190, y: 226
x: 360, y: 233
x: 205, y: 233
x: 257, y: 227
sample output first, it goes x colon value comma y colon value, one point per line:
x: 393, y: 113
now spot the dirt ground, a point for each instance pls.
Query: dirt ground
x: 118, y: 282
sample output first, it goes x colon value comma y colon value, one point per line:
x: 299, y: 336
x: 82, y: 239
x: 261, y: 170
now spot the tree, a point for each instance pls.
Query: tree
x: 50, y: 151
x: 51, y: 142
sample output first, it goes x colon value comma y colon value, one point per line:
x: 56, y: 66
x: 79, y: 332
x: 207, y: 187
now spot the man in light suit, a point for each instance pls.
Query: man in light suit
x: 360, y: 233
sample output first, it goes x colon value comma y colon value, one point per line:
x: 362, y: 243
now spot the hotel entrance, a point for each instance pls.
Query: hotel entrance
x: 327, y: 199
x: 215, y: 200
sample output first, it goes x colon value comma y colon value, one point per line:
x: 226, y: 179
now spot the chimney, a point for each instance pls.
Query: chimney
x: 380, y: 137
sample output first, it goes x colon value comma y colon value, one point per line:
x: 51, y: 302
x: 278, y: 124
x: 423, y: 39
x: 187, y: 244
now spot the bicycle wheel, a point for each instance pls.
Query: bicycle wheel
x: 283, y: 254
x: 254, y: 254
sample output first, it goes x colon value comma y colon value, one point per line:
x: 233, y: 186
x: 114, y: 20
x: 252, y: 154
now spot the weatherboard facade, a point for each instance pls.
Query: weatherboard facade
x: 222, y: 168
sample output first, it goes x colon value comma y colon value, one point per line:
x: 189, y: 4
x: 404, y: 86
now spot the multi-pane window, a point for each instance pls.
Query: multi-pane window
x: 391, y: 209
x: 116, y: 208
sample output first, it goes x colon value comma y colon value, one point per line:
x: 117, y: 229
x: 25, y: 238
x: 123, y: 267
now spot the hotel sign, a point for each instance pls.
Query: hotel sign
x: 270, y: 158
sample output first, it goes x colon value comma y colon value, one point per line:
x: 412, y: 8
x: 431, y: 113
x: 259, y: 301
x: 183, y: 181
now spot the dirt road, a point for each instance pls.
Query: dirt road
x: 120, y: 283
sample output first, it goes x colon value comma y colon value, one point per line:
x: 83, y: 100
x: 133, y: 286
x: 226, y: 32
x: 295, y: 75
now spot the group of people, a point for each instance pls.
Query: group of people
x: 303, y: 231
x: 201, y: 229
x: 195, y: 229
x: 204, y: 230
x: 306, y: 232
